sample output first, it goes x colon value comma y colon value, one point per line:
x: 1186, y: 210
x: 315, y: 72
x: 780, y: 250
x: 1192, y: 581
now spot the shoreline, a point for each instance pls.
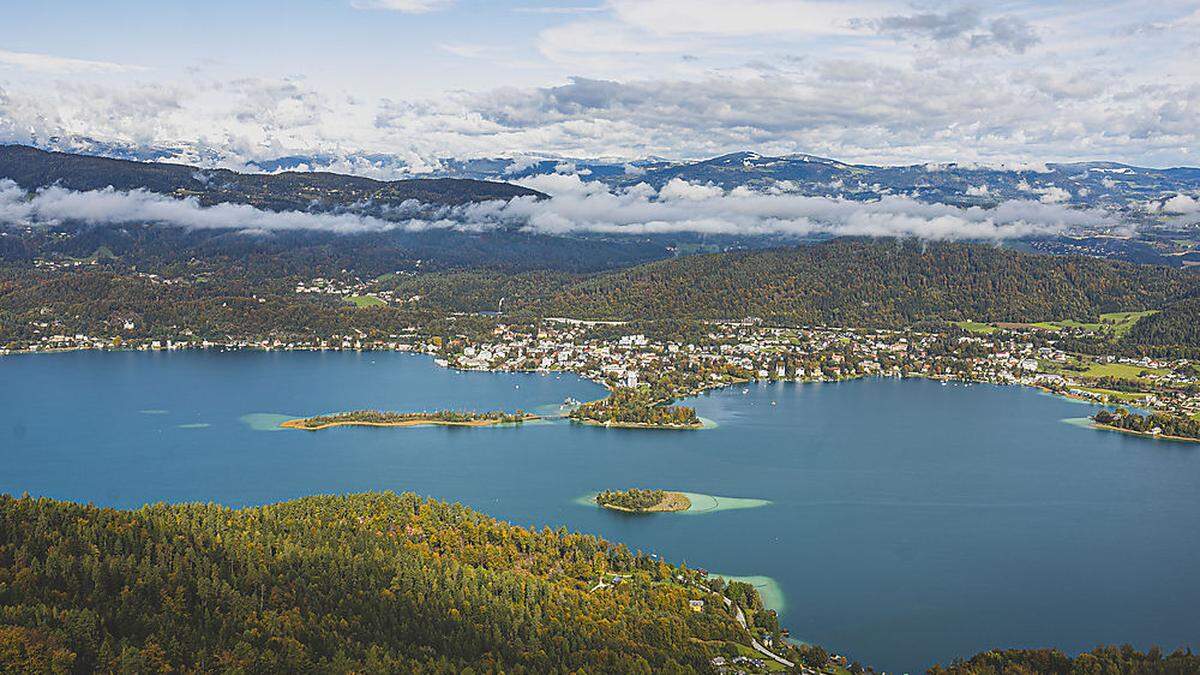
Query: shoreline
x: 690, y: 393
x: 701, y: 504
x: 1143, y: 434
x: 298, y: 424
x: 672, y: 502
x: 637, y: 425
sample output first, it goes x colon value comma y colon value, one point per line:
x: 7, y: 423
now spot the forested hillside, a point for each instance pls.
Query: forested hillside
x: 845, y: 282
x: 861, y: 282
x: 368, y: 583
x: 1177, y: 325
x: 31, y: 169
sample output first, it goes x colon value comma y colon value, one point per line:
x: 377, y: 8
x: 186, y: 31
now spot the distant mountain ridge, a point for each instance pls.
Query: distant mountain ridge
x: 32, y: 169
x: 1093, y: 184
x: 1134, y: 196
x: 1099, y: 184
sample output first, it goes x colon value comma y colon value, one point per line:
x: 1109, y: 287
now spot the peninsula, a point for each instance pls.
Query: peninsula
x: 643, y: 501
x: 634, y: 409
x: 376, y: 418
x: 1155, y: 425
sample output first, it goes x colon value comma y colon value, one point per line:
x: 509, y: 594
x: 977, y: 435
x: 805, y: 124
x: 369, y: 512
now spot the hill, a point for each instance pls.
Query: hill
x: 873, y: 283
x: 854, y: 282
x: 321, y: 251
x: 31, y: 169
x: 367, y: 583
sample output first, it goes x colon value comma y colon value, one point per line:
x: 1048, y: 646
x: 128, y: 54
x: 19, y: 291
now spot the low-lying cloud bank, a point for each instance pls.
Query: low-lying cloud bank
x: 111, y: 207
x: 577, y: 206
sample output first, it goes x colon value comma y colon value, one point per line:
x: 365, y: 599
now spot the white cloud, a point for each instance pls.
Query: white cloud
x: 578, y: 206
x: 965, y: 24
x: 742, y: 18
x: 1181, y: 205
x: 406, y: 6
x: 581, y: 206
x: 677, y: 78
x: 1054, y: 195
x: 466, y: 51
x: 48, y: 63
x: 112, y: 207
x: 560, y: 10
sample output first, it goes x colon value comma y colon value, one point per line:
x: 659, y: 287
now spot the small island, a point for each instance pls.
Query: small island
x: 633, y: 409
x: 376, y: 418
x: 643, y: 501
x: 1156, y: 425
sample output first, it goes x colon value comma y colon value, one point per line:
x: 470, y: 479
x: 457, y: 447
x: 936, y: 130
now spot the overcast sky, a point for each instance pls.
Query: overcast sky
x: 873, y: 81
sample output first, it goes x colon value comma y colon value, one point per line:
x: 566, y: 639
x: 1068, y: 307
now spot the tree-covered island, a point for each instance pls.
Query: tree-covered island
x: 635, y: 409
x: 643, y: 501
x: 1161, y: 425
x: 376, y: 418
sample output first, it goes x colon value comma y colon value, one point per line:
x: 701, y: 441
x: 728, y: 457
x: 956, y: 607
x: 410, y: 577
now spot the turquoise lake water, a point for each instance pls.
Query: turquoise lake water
x: 908, y: 522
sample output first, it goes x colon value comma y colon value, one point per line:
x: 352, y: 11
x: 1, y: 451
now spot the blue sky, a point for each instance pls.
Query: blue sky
x: 1014, y: 81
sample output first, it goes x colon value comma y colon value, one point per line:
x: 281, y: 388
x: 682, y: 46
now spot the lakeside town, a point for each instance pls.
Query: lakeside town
x: 716, y: 354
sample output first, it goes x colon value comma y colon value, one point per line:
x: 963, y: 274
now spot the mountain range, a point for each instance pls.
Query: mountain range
x: 1093, y: 184
x: 1157, y: 208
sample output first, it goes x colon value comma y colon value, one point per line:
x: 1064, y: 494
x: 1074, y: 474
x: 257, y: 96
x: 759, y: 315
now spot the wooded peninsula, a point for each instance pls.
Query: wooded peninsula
x: 1159, y: 425
x: 376, y: 418
x: 635, y: 409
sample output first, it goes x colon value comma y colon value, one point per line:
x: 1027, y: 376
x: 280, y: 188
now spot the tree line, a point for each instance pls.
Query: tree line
x: 1164, y: 424
x: 371, y: 583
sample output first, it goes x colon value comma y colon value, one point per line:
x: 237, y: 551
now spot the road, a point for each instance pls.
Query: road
x: 741, y: 619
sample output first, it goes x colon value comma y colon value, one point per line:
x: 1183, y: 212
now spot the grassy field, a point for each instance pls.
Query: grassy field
x: 1121, y: 322
x: 1127, y: 396
x: 1115, y: 323
x: 365, y: 301
x: 1092, y: 370
x: 976, y: 327
x: 1124, y: 371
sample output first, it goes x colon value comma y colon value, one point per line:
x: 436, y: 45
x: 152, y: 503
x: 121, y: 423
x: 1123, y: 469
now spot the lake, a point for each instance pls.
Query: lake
x: 908, y: 522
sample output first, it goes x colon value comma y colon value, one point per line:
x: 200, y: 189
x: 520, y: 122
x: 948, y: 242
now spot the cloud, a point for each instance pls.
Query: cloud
x: 871, y: 81
x: 464, y: 50
x: 581, y: 206
x: 406, y: 6
x: 47, y: 63
x: 1181, y: 205
x: 1054, y: 195
x: 945, y: 26
x: 577, y: 206
x: 112, y: 207
x: 742, y: 18
x: 965, y: 23
x: 774, y: 76
x: 560, y: 10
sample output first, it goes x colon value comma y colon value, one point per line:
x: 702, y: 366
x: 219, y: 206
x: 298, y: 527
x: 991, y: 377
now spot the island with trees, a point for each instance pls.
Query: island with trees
x: 1158, y: 425
x: 635, y: 409
x: 376, y: 418
x: 643, y: 501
